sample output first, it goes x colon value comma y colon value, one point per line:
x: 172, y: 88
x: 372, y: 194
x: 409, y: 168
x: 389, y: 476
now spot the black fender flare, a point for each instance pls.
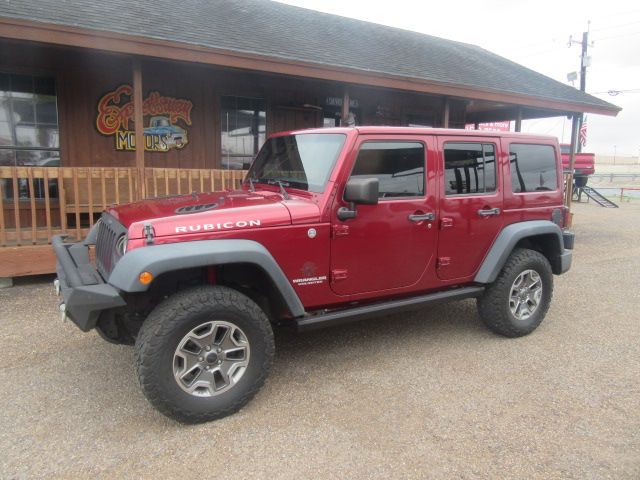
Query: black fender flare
x: 159, y: 259
x: 508, y: 239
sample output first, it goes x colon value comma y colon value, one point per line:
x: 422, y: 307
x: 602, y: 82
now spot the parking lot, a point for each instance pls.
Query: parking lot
x: 431, y: 394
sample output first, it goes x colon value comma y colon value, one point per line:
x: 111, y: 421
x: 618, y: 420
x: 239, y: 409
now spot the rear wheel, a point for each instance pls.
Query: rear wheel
x: 518, y: 300
x: 203, y: 353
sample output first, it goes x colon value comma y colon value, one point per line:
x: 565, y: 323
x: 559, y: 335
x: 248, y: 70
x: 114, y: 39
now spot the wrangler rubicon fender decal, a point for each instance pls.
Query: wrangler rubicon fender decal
x: 207, y: 227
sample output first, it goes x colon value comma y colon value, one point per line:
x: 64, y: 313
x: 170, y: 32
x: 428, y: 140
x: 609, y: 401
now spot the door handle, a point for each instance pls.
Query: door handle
x: 488, y: 212
x: 421, y: 217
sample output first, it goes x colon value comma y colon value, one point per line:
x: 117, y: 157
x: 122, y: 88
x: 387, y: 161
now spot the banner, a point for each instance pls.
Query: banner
x: 490, y: 126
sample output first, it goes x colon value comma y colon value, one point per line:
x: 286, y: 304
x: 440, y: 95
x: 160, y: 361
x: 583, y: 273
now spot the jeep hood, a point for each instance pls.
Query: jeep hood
x: 202, y: 213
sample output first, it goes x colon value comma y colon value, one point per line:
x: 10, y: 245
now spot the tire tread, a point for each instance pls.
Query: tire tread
x: 163, y: 321
x: 491, y: 304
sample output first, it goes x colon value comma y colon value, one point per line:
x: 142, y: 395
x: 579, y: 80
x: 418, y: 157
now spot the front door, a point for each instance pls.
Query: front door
x: 470, y: 204
x: 388, y: 245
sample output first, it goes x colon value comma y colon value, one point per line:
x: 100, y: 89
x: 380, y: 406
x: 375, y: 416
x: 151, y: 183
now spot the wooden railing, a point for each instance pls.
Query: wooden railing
x: 37, y: 203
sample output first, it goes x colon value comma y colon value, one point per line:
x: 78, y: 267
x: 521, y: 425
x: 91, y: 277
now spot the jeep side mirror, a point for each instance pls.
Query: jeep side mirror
x: 362, y: 190
x: 359, y: 191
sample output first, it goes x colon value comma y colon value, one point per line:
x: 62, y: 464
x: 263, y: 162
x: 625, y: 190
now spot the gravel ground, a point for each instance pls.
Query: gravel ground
x: 431, y: 394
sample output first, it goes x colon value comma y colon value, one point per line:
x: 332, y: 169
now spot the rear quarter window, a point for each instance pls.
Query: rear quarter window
x: 533, y: 168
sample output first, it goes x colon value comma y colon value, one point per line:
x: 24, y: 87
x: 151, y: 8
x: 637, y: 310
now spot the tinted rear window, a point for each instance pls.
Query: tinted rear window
x: 469, y: 168
x: 533, y: 168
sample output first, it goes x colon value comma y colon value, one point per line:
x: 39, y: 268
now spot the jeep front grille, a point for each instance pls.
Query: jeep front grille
x: 107, y: 253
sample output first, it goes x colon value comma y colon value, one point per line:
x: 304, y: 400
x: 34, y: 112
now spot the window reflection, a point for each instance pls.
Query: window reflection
x: 470, y: 168
x: 29, y: 134
x: 399, y: 167
x: 243, y: 125
x: 533, y: 168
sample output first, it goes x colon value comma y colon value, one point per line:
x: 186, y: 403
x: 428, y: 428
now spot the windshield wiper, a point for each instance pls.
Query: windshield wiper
x: 273, y: 181
x: 252, y: 187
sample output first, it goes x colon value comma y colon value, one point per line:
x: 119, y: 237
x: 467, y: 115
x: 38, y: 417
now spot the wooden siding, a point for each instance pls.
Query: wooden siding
x: 84, y: 76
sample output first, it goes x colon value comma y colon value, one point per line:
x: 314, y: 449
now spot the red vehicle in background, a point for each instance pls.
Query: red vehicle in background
x: 584, y: 165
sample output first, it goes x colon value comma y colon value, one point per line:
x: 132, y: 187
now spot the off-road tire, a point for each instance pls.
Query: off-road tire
x: 175, y: 317
x: 493, y: 305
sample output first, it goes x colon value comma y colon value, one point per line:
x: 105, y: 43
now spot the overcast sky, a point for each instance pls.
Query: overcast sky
x: 535, y: 34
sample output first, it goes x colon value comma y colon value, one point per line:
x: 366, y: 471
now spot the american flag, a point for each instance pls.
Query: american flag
x: 583, y: 132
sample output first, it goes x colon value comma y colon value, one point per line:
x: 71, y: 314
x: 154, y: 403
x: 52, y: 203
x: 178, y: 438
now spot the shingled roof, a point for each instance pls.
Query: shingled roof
x: 277, y: 31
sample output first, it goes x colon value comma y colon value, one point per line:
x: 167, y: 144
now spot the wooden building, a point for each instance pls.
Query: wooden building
x: 201, y: 84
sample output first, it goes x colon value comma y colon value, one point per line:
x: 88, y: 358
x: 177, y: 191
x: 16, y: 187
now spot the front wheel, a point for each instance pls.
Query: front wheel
x: 203, y: 353
x: 518, y: 300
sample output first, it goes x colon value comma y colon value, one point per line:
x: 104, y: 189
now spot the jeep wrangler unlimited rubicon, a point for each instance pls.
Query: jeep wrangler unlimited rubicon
x: 330, y: 225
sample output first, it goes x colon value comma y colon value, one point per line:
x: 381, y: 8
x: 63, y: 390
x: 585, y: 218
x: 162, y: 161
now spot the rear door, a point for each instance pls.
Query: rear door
x: 470, y: 203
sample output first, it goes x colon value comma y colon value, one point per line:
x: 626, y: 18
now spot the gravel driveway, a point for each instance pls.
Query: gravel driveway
x: 431, y: 394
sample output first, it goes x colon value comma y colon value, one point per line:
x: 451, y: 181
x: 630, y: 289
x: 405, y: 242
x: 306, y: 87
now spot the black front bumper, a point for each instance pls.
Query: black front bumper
x: 566, y: 256
x: 568, y: 239
x: 85, y: 293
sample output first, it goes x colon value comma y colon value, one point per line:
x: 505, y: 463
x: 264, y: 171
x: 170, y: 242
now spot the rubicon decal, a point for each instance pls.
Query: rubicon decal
x: 207, y: 227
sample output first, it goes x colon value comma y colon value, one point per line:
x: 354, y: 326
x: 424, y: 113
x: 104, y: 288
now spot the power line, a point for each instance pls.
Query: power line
x: 615, y: 26
x: 620, y: 13
x: 615, y: 93
x: 619, y: 36
x: 539, y: 53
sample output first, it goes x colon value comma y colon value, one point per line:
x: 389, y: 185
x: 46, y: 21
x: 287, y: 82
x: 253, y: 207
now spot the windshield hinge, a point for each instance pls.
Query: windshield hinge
x: 148, y: 233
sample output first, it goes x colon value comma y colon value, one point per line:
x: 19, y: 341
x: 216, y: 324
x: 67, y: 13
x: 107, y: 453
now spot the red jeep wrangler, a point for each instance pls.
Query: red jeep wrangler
x: 330, y: 225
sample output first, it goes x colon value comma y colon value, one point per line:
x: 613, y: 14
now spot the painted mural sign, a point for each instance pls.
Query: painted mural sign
x: 161, y: 114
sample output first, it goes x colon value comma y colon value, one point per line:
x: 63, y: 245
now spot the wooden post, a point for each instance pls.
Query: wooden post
x: 519, y: 119
x: 445, y: 113
x: 345, y: 108
x: 138, y: 118
x: 572, y: 161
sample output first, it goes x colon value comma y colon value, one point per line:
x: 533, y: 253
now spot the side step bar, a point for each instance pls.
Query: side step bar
x: 336, y: 317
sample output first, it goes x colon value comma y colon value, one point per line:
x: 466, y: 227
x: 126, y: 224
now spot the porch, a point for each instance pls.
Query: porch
x: 37, y: 203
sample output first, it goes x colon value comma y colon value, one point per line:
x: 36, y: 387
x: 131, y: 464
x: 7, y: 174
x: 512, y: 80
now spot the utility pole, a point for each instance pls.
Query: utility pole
x: 585, y: 62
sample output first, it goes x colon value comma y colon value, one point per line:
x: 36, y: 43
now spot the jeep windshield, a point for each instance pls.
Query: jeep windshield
x: 302, y: 161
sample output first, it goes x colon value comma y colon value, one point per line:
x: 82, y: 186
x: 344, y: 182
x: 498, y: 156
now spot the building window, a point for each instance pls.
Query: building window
x: 399, y: 166
x: 470, y: 168
x: 29, y: 133
x: 533, y: 168
x: 422, y: 120
x: 330, y: 121
x: 243, y: 125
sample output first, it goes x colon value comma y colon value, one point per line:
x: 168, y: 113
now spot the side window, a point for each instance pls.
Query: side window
x: 533, y: 168
x: 469, y: 168
x: 398, y: 165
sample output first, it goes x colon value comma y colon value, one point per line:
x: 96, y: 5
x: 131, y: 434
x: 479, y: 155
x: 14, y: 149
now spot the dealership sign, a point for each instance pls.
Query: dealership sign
x: 161, y: 132
x: 490, y: 126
